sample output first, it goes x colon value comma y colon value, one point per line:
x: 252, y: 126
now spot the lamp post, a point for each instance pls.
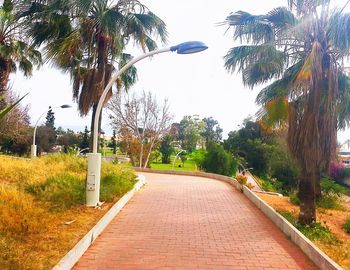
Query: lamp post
x: 94, y: 158
x: 177, y: 155
x: 33, y: 147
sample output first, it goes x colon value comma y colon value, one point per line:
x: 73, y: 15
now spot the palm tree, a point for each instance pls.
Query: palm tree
x: 14, y: 51
x: 301, y: 48
x: 88, y: 40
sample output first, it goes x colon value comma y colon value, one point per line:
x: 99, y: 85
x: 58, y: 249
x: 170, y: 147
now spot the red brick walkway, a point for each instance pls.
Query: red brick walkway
x: 182, y: 222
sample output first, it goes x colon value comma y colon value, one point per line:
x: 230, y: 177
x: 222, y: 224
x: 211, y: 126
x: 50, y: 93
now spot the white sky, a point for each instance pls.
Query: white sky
x: 193, y: 84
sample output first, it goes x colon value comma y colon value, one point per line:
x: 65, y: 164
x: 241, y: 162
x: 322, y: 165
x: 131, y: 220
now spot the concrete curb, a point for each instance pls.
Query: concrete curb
x: 70, y: 259
x: 319, y: 258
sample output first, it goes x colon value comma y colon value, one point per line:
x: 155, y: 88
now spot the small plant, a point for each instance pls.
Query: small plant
x: 346, y: 225
x: 241, y: 179
x: 294, y: 199
x: 331, y: 193
x: 288, y: 216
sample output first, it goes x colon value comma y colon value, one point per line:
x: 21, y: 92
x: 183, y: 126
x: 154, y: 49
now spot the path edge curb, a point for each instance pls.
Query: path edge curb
x: 72, y: 257
x: 317, y: 256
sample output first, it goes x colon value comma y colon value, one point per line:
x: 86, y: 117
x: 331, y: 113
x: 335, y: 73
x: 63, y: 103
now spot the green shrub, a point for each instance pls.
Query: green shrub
x: 294, y: 199
x: 62, y: 191
x: 198, y: 157
x: 115, y: 181
x: 288, y: 216
x: 286, y: 174
x: 346, y: 225
x: 330, y: 187
x: 271, y: 185
x: 217, y: 160
x: 331, y: 193
x: 316, y: 231
x: 329, y: 202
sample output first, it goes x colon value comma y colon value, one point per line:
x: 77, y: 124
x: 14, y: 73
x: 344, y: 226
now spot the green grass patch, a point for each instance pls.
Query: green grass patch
x: 346, y: 225
x: 294, y: 199
x: 115, y: 182
x: 270, y: 185
x: 316, y: 231
x: 189, y: 165
x: 63, y: 191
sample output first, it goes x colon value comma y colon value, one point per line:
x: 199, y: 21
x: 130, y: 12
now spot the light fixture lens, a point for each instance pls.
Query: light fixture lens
x: 189, y: 47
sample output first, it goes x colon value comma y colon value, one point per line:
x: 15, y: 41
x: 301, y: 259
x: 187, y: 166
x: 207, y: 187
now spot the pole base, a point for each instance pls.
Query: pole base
x: 93, y: 179
x: 33, y: 150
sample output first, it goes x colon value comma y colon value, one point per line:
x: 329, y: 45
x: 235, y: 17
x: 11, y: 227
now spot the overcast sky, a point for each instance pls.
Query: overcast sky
x: 193, y: 84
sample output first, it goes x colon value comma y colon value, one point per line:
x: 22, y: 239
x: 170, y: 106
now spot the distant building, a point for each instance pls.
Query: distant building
x: 344, y: 153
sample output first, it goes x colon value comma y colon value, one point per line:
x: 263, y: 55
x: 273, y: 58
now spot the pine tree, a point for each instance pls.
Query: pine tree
x: 85, y: 139
x: 50, y: 118
x: 114, y: 142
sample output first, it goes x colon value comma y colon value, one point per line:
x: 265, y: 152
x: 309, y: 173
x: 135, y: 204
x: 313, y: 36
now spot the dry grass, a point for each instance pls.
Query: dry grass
x: 333, y: 219
x: 33, y: 230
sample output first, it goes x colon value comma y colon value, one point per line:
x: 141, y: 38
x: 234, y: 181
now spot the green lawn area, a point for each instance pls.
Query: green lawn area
x: 189, y: 166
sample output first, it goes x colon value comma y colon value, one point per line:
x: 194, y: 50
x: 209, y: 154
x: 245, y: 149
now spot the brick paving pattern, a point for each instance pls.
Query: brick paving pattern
x: 183, y: 222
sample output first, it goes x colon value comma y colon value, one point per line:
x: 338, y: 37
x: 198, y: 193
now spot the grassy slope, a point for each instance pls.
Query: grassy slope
x: 38, y: 197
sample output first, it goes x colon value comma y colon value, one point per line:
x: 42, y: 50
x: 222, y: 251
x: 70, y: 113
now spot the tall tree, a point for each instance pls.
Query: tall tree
x: 189, y: 132
x: 113, y: 143
x: 212, y: 130
x: 142, y: 119
x: 302, y: 48
x: 166, y: 148
x: 15, y: 52
x: 87, y: 38
x: 50, y: 118
x: 85, y: 138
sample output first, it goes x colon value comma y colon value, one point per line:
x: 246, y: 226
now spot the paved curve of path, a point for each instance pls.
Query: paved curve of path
x: 183, y: 222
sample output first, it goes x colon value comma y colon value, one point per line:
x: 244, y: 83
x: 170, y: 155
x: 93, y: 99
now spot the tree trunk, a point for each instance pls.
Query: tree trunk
x: 149, y: 154
x: 141, y: 155
x: 94, y: 108
x: 5, y: 70
x: 306, y: 195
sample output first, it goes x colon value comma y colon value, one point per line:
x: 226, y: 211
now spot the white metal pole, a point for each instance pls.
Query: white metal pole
x: 177, y: 157
x: 33, y: 147
x: 94, y: 158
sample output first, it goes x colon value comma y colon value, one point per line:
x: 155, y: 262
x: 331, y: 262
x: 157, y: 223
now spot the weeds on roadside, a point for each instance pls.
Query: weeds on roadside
x: 346, y: 225
x: 63, y: 191
x: 316, y: 231
x: 115, y: 182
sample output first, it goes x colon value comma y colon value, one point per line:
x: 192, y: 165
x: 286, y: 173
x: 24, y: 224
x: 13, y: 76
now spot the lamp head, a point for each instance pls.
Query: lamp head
x: 189, y: 47
x: 64, y: 106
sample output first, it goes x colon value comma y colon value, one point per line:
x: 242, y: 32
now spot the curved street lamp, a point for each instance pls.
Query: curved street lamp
x: 94, y: 158
x: 33, y: 147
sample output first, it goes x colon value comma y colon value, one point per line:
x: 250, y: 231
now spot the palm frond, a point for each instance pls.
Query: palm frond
x: 281, y: 19
x: 343, y: 104
x: 338, y: 32
x: 258, y: 63
x: 279, y: 88
x: 250, y: 28
x: 10, y: 107
x: 241, y: 57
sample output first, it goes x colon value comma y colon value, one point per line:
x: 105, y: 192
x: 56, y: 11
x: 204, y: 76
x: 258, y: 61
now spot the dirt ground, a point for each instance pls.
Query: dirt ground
x: 333, y: 219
